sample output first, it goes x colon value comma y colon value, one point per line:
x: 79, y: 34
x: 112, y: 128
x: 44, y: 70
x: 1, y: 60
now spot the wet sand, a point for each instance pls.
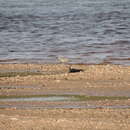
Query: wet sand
x: 93, y: 80
x: 60, y: 79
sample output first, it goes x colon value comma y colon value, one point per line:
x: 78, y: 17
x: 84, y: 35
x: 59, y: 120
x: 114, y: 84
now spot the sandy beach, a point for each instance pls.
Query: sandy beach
x: 103, y: 93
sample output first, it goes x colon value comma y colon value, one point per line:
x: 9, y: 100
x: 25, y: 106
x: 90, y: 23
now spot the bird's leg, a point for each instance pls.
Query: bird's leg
x: 70, y: 68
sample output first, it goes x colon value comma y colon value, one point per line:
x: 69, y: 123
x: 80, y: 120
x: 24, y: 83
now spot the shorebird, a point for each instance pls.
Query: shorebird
x: 63, y: 59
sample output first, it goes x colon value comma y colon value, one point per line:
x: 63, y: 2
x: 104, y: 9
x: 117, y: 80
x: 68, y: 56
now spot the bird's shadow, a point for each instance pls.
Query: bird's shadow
x: 73, y: 70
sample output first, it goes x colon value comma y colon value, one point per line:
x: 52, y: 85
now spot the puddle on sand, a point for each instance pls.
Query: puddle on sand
x: 20, y: 87
x: 12, y: 73
x: 47, y: 98
x: 23, y: 103
x: 62, y: 106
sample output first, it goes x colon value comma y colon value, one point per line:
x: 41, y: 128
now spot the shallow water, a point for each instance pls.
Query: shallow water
x: 49, y: 98
x: 85, y: 31
x: 38, y: 103
x: 29, y: 106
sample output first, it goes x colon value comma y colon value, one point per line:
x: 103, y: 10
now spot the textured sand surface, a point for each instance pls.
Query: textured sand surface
x: 109, y: 80
x: 62, y: 119
x: 93, y: 80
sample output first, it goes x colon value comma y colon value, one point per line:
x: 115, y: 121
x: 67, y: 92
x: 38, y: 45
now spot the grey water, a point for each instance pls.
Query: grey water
x: 65, y: 107
x: 84, y: 31
x: 49, y: 98
x: 52, y: 99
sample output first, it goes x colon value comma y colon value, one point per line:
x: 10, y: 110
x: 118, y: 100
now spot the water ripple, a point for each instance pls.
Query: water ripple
x: 83, y: 31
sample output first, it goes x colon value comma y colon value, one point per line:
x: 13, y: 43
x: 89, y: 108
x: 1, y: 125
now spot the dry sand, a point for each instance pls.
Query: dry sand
x: 62, y: 119
x: 93, y: 80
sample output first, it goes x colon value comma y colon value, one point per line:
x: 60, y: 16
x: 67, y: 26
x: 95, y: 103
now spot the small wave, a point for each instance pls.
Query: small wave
x: 100, y: 17
x: 8, y: 60
x: 120, y: 42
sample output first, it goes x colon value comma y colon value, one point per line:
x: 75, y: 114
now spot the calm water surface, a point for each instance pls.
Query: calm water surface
x: 85, y: 31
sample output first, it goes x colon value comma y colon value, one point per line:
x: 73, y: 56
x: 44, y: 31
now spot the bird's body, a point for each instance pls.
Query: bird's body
x: 63, y: 59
